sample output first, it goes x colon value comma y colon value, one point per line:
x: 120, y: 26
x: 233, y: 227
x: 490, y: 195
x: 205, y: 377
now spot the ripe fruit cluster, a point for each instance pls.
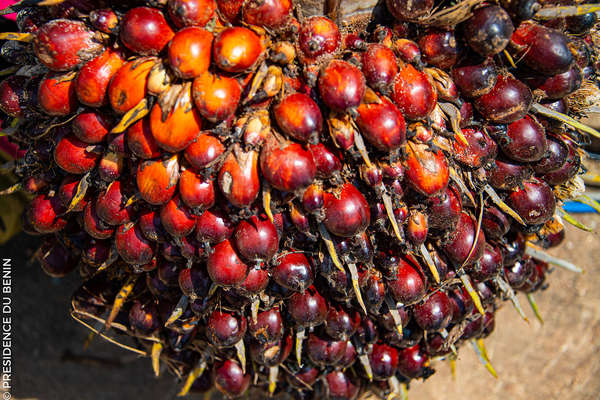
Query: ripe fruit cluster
x: 271, y: 200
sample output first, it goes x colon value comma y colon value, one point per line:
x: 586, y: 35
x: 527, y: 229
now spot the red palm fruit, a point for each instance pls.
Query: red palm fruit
x: 326, y: 162
x: 323, y: 351
x: 145, y: 31
x: 196, y: 191
x: 346, y: 211
x: 225, y: 328
x: 568, y: 169
x: 445, y: 209
x: 132, y: 246
x: 140, y: 140
x: 382, y: 125
x: 373, y: 290
x: 408, y: 284
x: 318, y: 36
x: 67, y: 190
x: 94, y: 77
x: 434, y: 313
x: 216, y: 96
x: 517, y: 274
x: 238, y: 177
x: 307, y: 308
x: 379, y: 65
x: 93, y: 225
x: 494, y: 223
x: 105, y: 20
x: 525, y: 140
x: 236, y: 49
x: 74, y: 156
x: 180, y: 125
x: 413, y: 93
x: 191, y: 12
x: 489, y: 29
x: 213, y: 226
x: 542, y: 49
x: 143, y: 318
x: 341, y: 324
x: 341, y: 85
x: 293, y: 272
x: 489, y: 265
x: 534, y: 202
x: 271, y: 354
x: 384, y: 361
x: 306, y: 375
x: 63, y: 45
x: 300, y: 220
x: 461, y: 303
x: 151, y: 226
x: 372, y: 176
x: 44, y: 214
x: 268, y: 326
x: 96, y: 252
x: 177, y: 218
x: 479, y: 151
x: 203, y: 151
x: 91, y: 126
x: 505, y: 174
x: 558, y: 86
x: 110, y: 205
x: 256, y: 239
x: 459, y: 247
x: 157, y: 180
x: 287, y: 166
x: 14, y: 98
x: 229, y: 378
x: 427, y: 172
x: 298, y: 116
x: 475, y: 80
x: 474, y: 328
x: 353, y: 41
x: 417, y: 227
x: 112, y: 162
x: 270, y: 14
x: 439, y: 48
x: 536, y: 279
x: 37, y: 183
x: 56, y: 94
x: 128, y: 85
x: 514, y: 248
x: 56, y: 260
x: 508, y: 101
x: 340, y: 386
x: 255, y: 283
x: 230, y: 9
x: 189, y: 52
x: 312, y: 199
x: 408, y: 51
x: 224, y: 265
x: 404, y: 10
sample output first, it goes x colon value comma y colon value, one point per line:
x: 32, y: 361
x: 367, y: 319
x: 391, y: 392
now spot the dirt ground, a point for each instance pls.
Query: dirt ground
x: 557, y: 360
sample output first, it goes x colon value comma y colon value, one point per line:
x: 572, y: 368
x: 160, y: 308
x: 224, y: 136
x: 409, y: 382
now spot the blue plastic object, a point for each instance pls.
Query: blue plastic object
x: 577, y: 208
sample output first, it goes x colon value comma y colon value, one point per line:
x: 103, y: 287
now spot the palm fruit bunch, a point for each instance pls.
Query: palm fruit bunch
x: 299, y: 199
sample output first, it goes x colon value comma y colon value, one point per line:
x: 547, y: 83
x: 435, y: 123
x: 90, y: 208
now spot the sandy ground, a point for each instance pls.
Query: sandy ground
x: 557, y: 360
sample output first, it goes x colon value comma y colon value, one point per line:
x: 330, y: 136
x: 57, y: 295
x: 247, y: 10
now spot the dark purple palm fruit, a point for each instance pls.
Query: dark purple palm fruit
x: 459, y: 248
x: 534, y: 202
x: 435, y: 313
x: 307, y: 309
